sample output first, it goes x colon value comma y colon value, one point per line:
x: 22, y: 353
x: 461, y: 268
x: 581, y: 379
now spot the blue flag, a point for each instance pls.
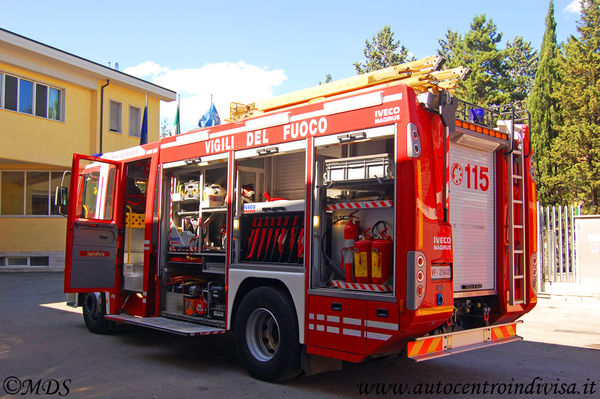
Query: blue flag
x: 144, y: 131
x: 210, y: 118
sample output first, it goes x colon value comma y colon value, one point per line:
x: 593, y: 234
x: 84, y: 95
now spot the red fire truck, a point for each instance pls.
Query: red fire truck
x: 379, y: 219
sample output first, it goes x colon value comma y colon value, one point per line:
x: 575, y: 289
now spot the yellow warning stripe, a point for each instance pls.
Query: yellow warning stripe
x: 503, y: 332
x: 430, y: 311
x: 425, y: 346
x: 420, y: 204
x: 415, y: 347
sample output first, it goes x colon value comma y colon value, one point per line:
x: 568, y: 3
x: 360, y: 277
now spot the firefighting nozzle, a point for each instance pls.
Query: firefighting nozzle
x: 362, y: 257
x: 381, y: 258
x: 350, y: 235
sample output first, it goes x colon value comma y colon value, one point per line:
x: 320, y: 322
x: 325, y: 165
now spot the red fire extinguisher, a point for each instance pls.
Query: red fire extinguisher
x: 350, y: 236
x: 381, y: 258
x: 362, y: 258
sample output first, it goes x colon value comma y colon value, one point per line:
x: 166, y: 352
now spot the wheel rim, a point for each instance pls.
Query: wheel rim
x: 262, y: 334
x: 92, y: 304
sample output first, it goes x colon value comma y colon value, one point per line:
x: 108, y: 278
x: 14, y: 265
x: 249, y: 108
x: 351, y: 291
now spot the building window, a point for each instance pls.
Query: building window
x: 13, y: 188
x: 17, y: 261
x: 24, y: 261
x: 55, y: 104
x: 37, y: 193
x: 39, y: 261
x: 41, y: 100
x: 31, y: 97
x: 25, y: 96
x: 115, y: 116
x: 134, y: 121
x: 29, y: 193
x: 10, y: 92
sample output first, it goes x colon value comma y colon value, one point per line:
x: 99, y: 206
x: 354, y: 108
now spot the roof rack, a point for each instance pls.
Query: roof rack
x: 422, y: 75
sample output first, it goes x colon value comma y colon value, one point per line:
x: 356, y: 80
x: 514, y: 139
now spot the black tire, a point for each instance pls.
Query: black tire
x: 94, y: 311
x: 266, y: 335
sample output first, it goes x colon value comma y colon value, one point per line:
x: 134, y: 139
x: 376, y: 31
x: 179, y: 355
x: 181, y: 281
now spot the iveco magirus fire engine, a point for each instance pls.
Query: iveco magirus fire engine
x: 368, y: 217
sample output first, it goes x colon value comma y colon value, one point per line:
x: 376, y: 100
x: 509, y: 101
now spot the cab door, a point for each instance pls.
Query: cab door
x: 91, y: 255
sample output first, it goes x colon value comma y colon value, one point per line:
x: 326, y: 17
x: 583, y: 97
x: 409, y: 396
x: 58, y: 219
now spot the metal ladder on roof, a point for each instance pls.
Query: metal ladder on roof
x: 516, y: 224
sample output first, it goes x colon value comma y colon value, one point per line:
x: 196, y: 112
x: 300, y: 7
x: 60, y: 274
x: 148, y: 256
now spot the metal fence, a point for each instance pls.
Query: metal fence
x: 556, y: 244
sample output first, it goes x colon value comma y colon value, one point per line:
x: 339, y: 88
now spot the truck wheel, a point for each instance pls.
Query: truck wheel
x: 266, y: 335
x: 93, y: 313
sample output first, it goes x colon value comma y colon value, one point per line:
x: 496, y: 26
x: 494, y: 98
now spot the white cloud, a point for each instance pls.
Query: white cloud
x: 574, y: 7
x: 227, y: 82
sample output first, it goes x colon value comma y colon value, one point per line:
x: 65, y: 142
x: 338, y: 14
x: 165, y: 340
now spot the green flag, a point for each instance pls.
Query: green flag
x: 177, y: 124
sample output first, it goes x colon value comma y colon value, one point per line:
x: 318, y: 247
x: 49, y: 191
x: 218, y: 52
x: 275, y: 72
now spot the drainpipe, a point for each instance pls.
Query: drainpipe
x: 102, y: 111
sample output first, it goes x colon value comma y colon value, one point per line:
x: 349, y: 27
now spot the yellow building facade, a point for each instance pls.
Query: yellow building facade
x: 54, y: 104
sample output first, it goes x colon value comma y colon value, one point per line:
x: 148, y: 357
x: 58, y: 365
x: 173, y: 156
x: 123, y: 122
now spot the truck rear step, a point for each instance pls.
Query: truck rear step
x: 168, y: 325
x: 435, y: 346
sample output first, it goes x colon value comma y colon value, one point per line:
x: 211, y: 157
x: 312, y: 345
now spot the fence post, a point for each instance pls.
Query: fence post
x: 555, y: 265
x: 567, y: 253
x: 540, y: 250
x: 561, y: 263
x: 573, y: 249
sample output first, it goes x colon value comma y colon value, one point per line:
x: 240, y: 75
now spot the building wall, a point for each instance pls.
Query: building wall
x: 30, y: 143
x: 112, y: 141
x: 27, y: 138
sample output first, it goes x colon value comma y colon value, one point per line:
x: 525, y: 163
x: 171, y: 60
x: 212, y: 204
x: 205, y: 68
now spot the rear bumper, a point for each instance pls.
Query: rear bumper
x: 435, y: 346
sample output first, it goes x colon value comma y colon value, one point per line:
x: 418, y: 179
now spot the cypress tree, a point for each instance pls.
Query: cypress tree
x: 543, y: 105
x: 577, y: 149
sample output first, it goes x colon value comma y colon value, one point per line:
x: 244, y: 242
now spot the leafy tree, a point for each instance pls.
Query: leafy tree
x: 328, y: 79
x: 451, y: 47
x: 164, y: 129
x: 544, y: 106
x: 478, y: 50
x: 521, y: 63
x: 576, y: 151
x: 382, y: 52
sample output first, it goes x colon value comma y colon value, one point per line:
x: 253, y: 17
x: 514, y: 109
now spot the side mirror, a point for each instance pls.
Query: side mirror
x: 61, y: 199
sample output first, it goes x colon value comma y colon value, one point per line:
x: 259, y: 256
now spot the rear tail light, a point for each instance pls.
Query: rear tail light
x: 416, y: 279
x: 413, y: 141
x: 533, y: 264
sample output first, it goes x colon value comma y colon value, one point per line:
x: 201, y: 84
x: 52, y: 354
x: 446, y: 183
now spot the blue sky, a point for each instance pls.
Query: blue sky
x: 250, y: 50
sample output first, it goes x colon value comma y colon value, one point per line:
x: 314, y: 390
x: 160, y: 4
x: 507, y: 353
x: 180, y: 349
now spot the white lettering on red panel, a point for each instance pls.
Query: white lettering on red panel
x: 442, y: 243
x: 219, y: 144
x: 95, y: 254
x: 304, y: 128
x: 387, y: 115
x: 258, y: 137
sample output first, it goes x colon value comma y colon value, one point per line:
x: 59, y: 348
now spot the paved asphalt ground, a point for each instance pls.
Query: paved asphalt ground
x: 50, y: 345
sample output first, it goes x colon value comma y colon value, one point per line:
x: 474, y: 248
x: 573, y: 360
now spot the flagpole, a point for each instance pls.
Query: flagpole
x: 178, y: 113
x: 144, y: 128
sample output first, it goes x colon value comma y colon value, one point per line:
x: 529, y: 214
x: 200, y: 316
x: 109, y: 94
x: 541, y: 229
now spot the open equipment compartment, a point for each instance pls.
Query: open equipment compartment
x: 193, y: 264
x: 354, y: 197
x: 270, y: 205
